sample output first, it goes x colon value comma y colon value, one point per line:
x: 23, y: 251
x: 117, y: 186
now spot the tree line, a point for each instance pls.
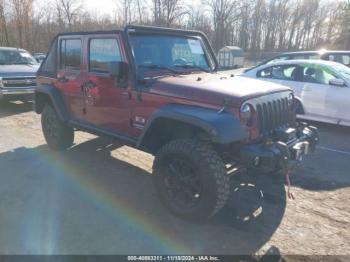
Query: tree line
x: 254, y: 25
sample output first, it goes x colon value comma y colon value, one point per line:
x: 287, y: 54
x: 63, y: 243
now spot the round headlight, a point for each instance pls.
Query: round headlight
x: 290, y: 99
x: 246, y: 113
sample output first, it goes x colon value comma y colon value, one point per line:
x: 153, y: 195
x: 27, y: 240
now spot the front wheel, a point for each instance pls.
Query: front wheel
x: 57, y: 134
x: 190, y: 179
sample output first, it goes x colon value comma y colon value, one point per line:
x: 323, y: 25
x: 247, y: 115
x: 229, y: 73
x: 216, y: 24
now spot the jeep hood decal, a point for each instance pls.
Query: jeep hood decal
x: 211, y: 87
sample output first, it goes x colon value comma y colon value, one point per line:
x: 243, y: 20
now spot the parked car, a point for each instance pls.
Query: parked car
x: 158, y: 90
x: 39, y: 57
x: 17, y: 73
x: 322, y: 87
x: 342, y: 57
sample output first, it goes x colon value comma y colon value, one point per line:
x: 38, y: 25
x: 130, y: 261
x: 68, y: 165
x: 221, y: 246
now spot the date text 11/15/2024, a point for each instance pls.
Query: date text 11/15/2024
x: 173, y: 258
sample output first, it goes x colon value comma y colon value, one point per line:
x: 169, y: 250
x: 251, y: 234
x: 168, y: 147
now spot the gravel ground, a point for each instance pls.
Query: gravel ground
x: 98, y: 198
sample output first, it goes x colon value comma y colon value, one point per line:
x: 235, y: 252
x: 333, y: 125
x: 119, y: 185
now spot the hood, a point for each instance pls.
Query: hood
x: 18, y: 70
x: 214, y: 87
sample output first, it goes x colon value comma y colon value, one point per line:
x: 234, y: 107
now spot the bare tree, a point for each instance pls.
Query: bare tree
x: 221, y: 12
x: 68, y: 11
x: 23, y: 12
x: 127, y: 7
x: 3, y: 25
x: 166, y: 12
x: 346, y: 25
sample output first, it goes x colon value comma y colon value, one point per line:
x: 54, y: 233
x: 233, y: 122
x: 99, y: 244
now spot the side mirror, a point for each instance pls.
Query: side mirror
x: 117, y: 69
x: 337, y: 82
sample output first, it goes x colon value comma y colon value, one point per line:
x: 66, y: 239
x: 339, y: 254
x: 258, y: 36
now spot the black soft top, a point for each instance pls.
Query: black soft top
x: 136, y: 28
x: 88, y: 33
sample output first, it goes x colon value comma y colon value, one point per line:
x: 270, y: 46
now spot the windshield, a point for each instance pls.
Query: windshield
x: 343, y: 71
x: 161, y: 52
x: 16, y: 57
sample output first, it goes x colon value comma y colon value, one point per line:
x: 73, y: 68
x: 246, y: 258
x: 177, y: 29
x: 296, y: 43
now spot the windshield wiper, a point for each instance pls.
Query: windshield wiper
x: 193, y: 66
x: 154, y: 66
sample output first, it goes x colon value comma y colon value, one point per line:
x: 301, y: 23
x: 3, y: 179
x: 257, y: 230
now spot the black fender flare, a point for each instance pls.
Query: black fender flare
x: 223, y: 127
x: 56, y: 99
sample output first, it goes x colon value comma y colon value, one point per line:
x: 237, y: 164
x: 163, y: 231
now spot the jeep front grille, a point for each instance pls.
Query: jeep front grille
x: 272, y: 114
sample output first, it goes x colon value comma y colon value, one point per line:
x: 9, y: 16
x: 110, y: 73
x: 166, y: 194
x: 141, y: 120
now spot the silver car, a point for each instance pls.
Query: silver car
x: 321, y: 87
x: 17, y: 73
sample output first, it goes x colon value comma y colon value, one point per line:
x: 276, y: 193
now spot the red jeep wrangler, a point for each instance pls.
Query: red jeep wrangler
x: 158, y: 90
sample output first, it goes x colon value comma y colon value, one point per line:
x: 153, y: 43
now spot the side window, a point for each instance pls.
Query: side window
x: 103, y: 51
x: 340, y: 58
x: 346, y: 59
x: 49, y: 65
x: 70, y: 54
x: 286, y: 72
x: 281, y: 72
x: 317, y: 74
x: 264, y: 73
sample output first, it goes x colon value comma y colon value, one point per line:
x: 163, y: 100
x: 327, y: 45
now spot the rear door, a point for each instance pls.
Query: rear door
x: 70, y: 75
x: 106, y: 97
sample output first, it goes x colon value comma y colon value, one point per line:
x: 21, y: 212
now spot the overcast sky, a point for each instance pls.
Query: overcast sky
x: 101, y: 6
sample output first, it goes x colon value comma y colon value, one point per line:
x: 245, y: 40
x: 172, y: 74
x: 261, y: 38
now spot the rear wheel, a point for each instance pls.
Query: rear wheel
x: 57, y: 134
x: 190, y: 179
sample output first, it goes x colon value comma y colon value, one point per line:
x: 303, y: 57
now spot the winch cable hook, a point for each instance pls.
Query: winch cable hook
x: 288, y: 171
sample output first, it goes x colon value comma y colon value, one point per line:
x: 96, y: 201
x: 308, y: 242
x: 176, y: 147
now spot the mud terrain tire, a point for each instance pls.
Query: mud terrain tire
x: 206, y: 180
x: 57, y: 134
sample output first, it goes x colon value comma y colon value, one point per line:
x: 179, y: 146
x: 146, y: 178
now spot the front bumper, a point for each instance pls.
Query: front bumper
x: 16, y: 91
x: 275, y: 154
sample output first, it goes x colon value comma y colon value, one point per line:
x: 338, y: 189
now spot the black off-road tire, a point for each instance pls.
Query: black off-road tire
x: 57, y: 134
x: 215, y: 184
